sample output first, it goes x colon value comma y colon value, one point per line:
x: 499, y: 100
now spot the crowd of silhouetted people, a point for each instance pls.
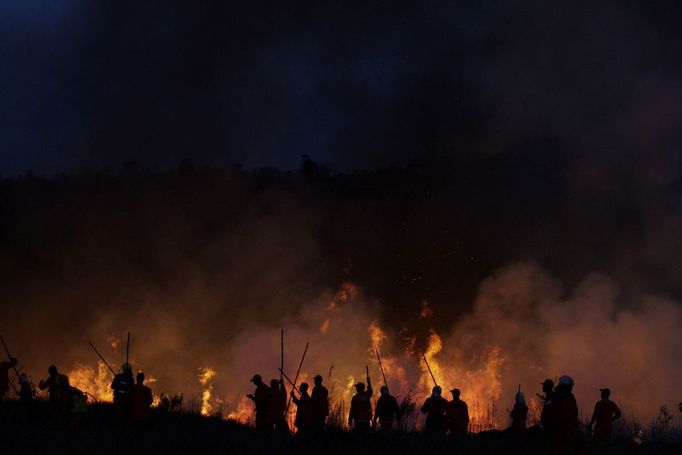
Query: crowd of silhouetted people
x: 559, y: 420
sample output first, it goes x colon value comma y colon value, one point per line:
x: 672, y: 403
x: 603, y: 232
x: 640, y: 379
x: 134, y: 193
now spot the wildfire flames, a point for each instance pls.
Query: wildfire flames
x: 345, y: 335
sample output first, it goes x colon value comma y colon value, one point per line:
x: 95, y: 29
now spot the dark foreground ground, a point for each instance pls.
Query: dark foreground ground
x: 190, y: 433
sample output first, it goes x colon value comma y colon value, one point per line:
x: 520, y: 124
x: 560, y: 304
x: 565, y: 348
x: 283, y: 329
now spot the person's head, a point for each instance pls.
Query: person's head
x: 566, y: 382
x: 303, y: 387
x: 274, y: 383
x: 455, y: 393
x: 605, y: 393
x: 52, y: 371
x: 547, y: 385
x: 127, y: 368
x: 383, y: 390
x: 257, y: 379
x: 318, y: 380
x: 436, y: 391
x: 520, y: 398
x: 360, y: 387
x: 140, y: 378
x: 23, y: 378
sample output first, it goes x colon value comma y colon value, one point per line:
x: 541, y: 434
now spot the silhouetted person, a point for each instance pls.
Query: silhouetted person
x: 304, y: 408
x: 4, y: 375
x: 519, y: 414
x: 360, y: 416
x: 320, y: 404
x: 58, y: 387
x: 457, y: 415
x: 434, y: 408
x: 387, y: 409
x: 26, y: 392
x: 546, y: 415
x: 139, y: 398
x: 276, y: 405
x: 605, y: 412
x: 260, y: 398
x: 565, y: 416
x: 120, y: 384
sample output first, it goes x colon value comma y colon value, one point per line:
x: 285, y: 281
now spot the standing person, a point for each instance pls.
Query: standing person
x: 545, y: 416
x: 139, y: 399
x: 4, y: 375
x: 120, y: 384
x: 360, y: 416
x: 457, y: 415
x: 519, y: 414
x: 387, y: 409
x: 276, y: 405
x: 304, y: 408
x: 565, y: 416
x: 605, y: 413
x: 59, y: 399
x: 320, y: 404
x: 26, y: 392
x: 434, y: 408
x: 259, y: 397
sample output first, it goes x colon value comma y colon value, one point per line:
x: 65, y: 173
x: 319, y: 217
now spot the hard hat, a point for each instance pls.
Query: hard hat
x: 126, y: 367
x: 566, y: 380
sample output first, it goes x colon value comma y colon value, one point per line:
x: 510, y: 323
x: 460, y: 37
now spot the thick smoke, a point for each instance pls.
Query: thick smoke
x: 206, y: 267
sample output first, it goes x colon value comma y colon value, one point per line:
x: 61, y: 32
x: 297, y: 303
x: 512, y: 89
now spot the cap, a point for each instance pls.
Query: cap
x: 548, y: 382
x: 606, y: 391
x: 256, y: 378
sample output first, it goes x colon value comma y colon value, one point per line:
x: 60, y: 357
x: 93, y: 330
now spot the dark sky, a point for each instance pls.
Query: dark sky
x: 353, y: 84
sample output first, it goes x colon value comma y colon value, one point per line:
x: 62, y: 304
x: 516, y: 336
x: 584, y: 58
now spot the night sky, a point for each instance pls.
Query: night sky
x: 355, y: 85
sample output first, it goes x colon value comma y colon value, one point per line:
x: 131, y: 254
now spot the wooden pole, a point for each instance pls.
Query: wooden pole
x: 429, y: 368
x: 100, y: 356
x: 128, y: 349
x: 286, y: 412
x: 289, y: 380
x: 381, y: 367
x: 281, y: 360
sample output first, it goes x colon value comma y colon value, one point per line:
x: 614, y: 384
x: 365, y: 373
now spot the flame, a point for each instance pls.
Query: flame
x: 425, y: 311
x: 208, y: 404
x: 243, y: 412
x: 376, y: 334
x: 324, y: 328
x: 97, y: 383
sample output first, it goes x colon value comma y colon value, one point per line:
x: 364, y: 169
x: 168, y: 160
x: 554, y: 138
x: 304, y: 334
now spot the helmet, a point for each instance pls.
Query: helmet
x: 126, y: 367
x: 52, y: 370
x: 436, y: 391
x: 384, y: 390
x: 566, y: 380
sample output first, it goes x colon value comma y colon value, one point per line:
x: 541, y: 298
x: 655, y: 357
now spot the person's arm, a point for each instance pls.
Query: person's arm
x: 594, y: 416
x: 42, y: 385
x: 425, y: 407
x: 251, y: 397
x: 149, y: 399
x: 616, y: 412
